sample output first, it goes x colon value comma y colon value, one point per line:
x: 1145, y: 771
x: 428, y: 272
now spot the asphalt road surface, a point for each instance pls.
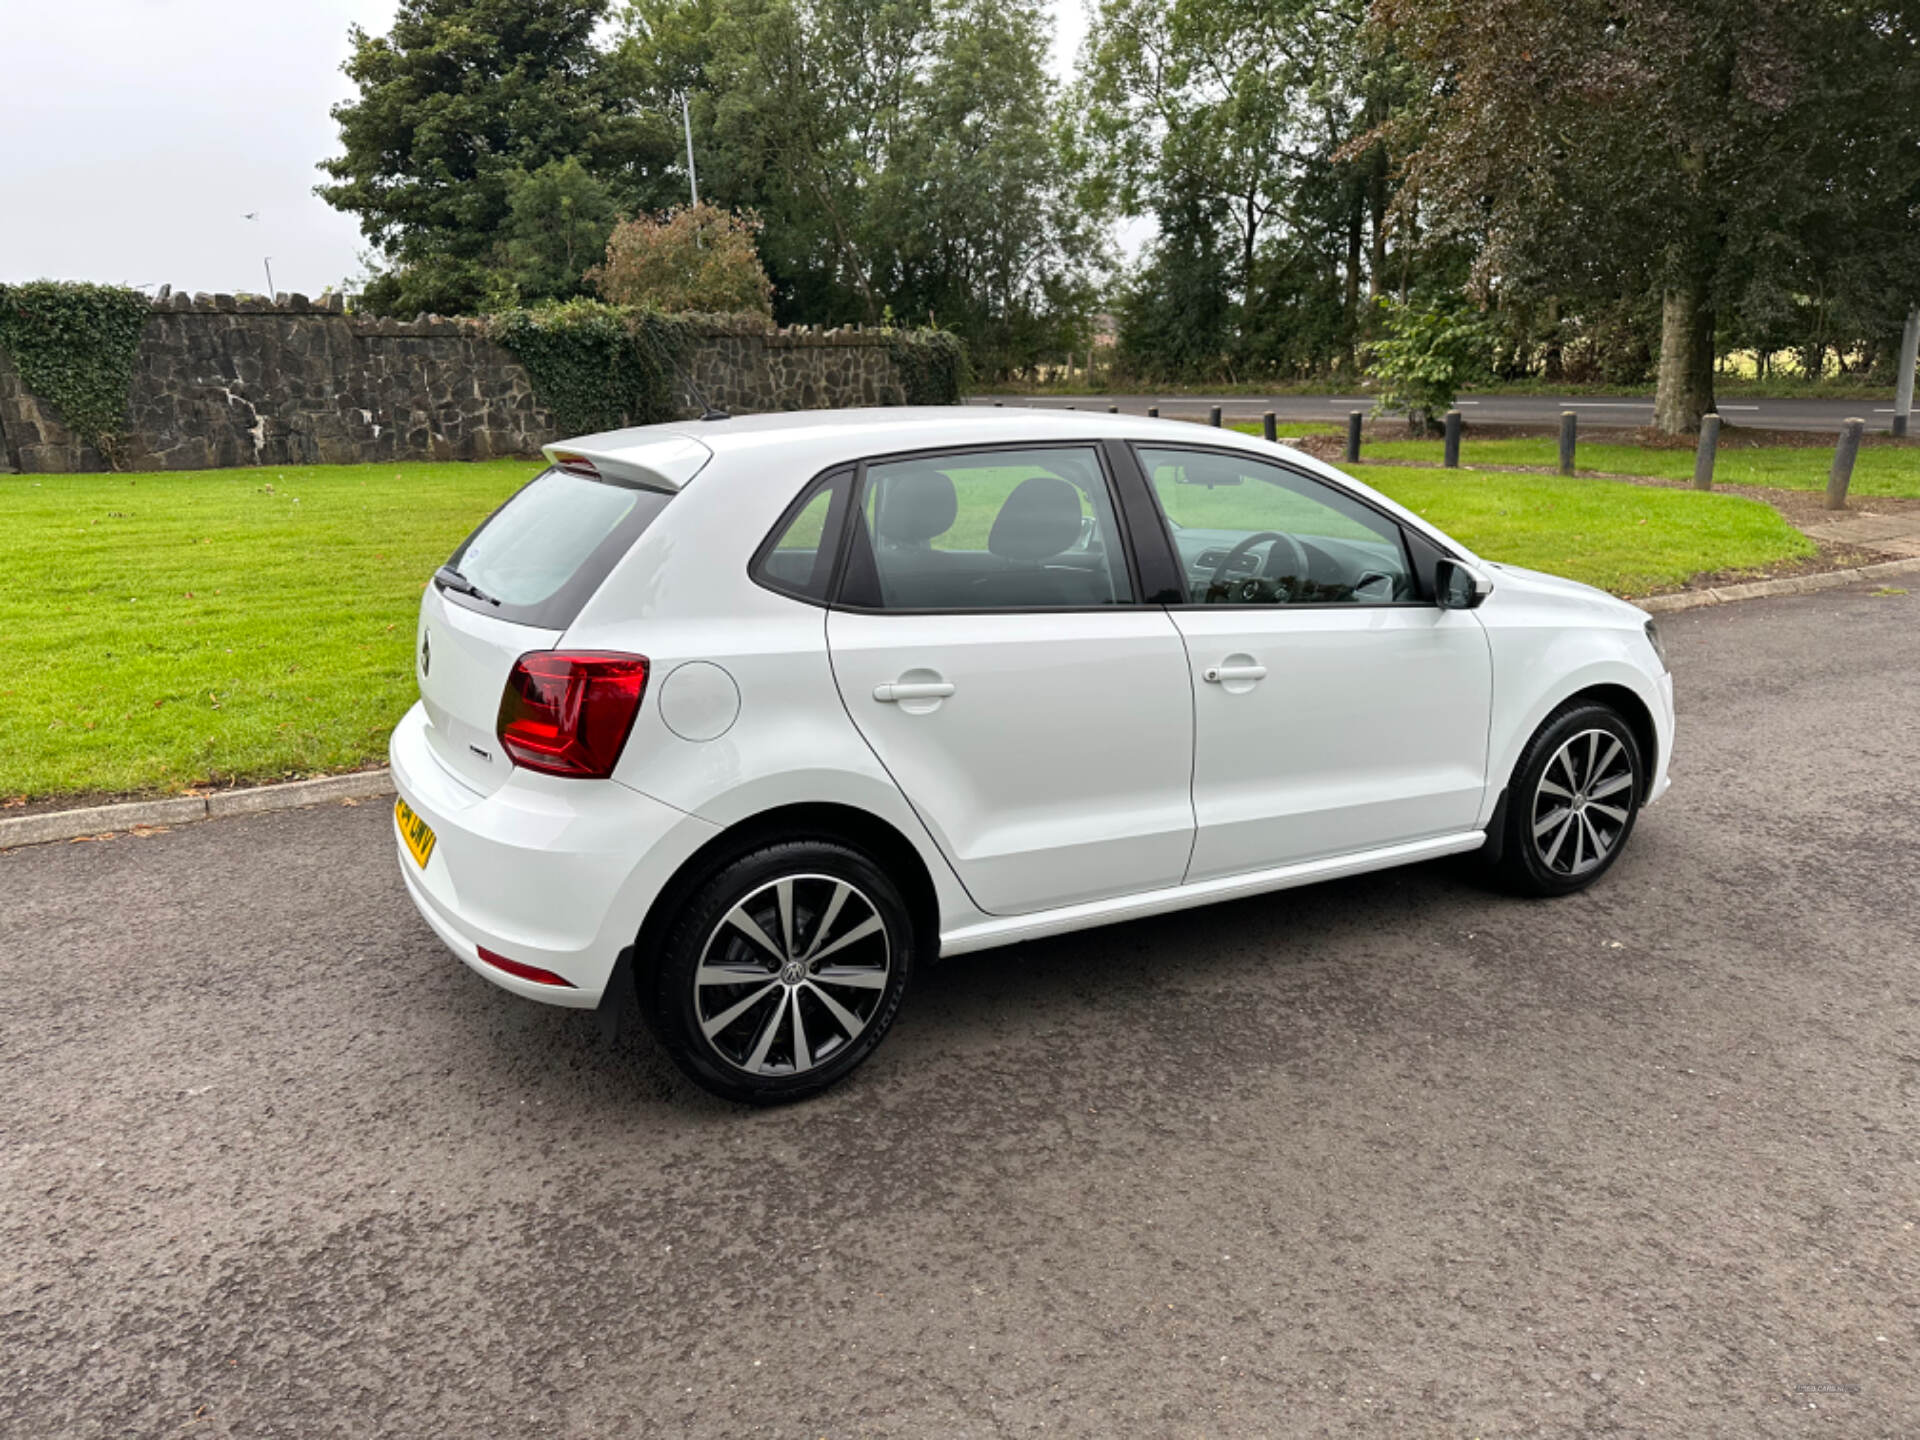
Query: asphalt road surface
x: 1392, y: 1157
x: 1596, y: 411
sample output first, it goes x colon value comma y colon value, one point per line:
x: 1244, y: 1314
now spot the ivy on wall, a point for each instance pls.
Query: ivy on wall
x: 932, y: 366
x: 604, y: 367
x: 74, y: 346
x: 596, y: 366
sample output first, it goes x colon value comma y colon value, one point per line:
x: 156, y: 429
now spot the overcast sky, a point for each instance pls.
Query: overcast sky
x: 136, y: 135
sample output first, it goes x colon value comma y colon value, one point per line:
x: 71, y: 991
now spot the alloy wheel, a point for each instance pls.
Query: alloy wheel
x: 792, y: 975
x: 1583, y: 803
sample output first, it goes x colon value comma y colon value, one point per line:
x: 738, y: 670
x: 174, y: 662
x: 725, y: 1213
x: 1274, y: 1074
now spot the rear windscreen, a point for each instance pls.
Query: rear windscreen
x: 539, y: 557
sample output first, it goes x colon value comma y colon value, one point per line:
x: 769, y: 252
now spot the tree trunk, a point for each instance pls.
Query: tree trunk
x: 1377, y: 216
x: 1352, y: 298
x: 1685, y: 390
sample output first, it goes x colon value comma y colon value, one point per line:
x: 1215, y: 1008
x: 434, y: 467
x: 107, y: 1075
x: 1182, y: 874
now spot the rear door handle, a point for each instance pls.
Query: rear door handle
x: 1220, y: 674
x: 912, y: 690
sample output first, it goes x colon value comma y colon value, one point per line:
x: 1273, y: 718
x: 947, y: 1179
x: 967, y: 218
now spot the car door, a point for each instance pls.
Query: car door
x: 1336, y: 710
x: 987, y: 643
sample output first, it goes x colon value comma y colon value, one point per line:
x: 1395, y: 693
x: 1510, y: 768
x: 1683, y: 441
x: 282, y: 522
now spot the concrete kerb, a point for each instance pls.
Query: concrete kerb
x: 56, y: 825
x: 1791, y: 585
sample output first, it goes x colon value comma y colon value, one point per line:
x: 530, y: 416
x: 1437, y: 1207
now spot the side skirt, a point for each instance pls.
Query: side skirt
x: 1012, y: 928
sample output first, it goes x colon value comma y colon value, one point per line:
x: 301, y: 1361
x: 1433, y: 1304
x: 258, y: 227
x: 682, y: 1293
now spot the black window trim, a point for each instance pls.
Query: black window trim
x: 1424, y: 600
x: 830, y: 533
x: 1123, y: 540
x: 560, y: 609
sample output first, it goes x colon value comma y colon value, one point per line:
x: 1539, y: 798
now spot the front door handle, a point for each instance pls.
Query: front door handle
x: 1226, y: 674
x: 913, y: 690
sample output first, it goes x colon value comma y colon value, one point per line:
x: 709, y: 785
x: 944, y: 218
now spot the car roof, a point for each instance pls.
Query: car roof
x: 807, y: 442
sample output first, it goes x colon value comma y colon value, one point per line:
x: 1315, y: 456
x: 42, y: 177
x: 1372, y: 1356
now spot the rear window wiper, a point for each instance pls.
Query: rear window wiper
x: 448, y: 578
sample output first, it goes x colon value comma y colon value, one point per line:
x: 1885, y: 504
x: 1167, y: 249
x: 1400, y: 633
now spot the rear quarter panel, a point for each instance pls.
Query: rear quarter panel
x: 682, y: 598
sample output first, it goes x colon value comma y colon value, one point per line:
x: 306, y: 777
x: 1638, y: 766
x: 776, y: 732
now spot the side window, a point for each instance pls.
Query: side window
x: 992, y: 530
x: 1252, y: 533
x: 797, y: 559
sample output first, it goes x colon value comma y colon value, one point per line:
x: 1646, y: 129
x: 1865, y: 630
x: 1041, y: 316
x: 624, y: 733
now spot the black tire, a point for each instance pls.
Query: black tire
x: 1548, y: 845
x: 769, y: 1053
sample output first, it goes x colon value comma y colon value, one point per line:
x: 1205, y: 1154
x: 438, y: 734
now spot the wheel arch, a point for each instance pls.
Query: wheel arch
x: 1638, y: 716
x: 878, y: 838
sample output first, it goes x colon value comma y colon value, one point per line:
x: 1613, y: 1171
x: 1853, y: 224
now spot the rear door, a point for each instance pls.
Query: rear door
x: 1336, y: 707
x: 987, y: 643
x: 514, y: 586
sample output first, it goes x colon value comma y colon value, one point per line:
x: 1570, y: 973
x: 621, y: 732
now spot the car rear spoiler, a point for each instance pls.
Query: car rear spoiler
x: 657, y: 462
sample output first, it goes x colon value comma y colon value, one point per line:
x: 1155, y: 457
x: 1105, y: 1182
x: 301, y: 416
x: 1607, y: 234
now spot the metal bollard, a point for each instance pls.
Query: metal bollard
x: 1153, y: 412
x: 1354, y: 417
x: 1569, y: 434
x: 1451, y: 457
x: 1213, y: 417
x: 1113, y: 409
x: 1267, y: 430
x: 1844, y: 454
x: 1703, y: 456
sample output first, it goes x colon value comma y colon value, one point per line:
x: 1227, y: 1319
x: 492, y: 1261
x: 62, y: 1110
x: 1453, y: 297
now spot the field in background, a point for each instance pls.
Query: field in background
x: 1882, y: 469
x: 171, y: 628
x: 248, y: 625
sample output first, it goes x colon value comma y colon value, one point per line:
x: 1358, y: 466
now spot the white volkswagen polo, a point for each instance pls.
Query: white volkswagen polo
x: 753, y: 717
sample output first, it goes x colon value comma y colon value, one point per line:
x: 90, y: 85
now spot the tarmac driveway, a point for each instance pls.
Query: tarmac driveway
x: 1393, y: 1156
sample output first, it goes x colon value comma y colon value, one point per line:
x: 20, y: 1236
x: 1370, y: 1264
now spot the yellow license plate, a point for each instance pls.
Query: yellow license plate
x: 415, y: 832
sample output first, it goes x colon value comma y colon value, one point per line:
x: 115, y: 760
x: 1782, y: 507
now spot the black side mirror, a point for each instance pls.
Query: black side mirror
x: 1458, y: 585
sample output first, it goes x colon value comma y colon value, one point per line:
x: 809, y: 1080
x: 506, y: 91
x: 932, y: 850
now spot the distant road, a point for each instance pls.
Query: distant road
x: 1594, y: 410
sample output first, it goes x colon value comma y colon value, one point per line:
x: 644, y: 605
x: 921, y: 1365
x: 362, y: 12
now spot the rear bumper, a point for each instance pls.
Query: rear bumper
x: 553, y: 873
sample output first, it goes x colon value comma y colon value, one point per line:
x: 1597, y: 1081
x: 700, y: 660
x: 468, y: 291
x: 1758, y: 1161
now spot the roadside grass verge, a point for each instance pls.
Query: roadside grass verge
x: 1630, y: 539
x: 223, y: 625
x: 236, y: 626
x: 1882, y: 469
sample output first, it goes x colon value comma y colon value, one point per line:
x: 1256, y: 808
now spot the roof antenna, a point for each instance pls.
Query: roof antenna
x: 708, y: 410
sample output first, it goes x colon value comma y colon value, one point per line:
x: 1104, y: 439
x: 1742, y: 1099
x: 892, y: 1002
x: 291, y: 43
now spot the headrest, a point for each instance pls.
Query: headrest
x: 1038, y: 520
x: 915, y: 506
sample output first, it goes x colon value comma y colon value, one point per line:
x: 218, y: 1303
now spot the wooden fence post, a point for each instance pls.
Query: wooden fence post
x: 1569, y: 433
x: 1705, y: 451
x: 1354, y: 417
x: 1844, y: 454
x: 1450, y: 458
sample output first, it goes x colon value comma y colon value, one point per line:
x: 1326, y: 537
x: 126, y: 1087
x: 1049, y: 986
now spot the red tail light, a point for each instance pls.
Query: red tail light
x: 521, y: 970
x: 575, y: 464
x: 568, y: 712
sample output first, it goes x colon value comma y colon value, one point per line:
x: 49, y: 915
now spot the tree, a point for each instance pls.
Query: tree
x: 1248, y: 116
x: 558, y: 220
x: 692, y: 258
x: 898, y: 152
x: 1711, y: 146
x: 1430, y: 349
x: 460, y: 97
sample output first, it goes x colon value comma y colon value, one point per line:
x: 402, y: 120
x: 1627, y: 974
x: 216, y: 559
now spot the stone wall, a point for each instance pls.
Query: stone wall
x: 225, y: 381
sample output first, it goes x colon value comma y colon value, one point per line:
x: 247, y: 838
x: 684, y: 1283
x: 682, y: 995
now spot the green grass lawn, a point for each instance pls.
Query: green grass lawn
x: 218, y: 625
x: 248, y: 625
x: 1882, y: 469
x: 1631, y: 539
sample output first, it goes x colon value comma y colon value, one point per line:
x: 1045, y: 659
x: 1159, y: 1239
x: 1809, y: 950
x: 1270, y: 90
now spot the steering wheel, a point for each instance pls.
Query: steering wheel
x: 1250, y: 589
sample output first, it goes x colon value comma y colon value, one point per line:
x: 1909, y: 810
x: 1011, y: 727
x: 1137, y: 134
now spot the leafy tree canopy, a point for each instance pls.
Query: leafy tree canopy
x: 456, y: 101
x: 692, y: 258
x: 1720, y: 150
